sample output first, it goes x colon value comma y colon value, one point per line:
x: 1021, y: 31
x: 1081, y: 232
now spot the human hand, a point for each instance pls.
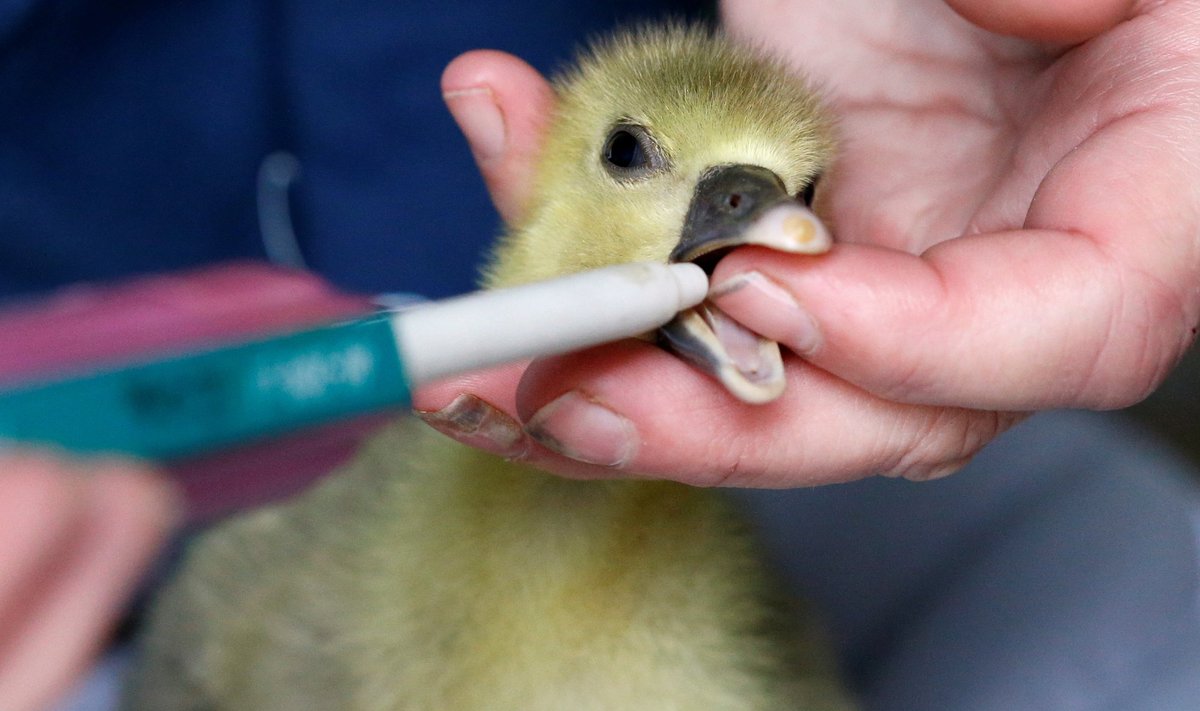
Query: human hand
x: 1017, y: 224
x: 77, y: 536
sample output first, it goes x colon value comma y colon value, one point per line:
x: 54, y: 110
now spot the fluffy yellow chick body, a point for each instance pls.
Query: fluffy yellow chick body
x: 428, y: 576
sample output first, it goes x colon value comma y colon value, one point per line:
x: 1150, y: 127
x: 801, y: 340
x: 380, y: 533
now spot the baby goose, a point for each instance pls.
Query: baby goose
x: 428, y: 576
x: 669, y: 144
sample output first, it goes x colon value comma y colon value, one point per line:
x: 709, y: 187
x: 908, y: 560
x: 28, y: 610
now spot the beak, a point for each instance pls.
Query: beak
x: 732, y: 206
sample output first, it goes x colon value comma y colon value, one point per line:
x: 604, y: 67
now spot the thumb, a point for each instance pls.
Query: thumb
x: 502, y: 105
x: 1065, y: 21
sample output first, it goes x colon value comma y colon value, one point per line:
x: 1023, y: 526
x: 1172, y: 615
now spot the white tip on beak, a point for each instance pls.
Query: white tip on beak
x: 789, y: 227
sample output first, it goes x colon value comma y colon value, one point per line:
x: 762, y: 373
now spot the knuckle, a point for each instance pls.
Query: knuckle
x: 1150, y: 327
x: 945, y: 440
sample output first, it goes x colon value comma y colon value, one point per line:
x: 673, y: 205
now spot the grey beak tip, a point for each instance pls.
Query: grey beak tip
x: 735, y: 205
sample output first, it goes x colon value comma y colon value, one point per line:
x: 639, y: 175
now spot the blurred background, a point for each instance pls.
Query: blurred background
x: 134, y: 135
x: 1174, y: 409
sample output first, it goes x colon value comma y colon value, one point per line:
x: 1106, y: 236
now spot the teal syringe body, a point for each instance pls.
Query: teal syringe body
x: 184, y: 405
x: 196, y: 402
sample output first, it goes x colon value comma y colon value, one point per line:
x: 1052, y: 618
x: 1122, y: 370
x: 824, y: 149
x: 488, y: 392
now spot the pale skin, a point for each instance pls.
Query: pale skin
x: 1018, y: 219
x: 77, y: 536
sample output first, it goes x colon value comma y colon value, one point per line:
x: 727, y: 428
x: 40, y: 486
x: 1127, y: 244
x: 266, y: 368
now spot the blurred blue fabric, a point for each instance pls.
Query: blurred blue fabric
x: 1058, y: 572
x: 131, y: 132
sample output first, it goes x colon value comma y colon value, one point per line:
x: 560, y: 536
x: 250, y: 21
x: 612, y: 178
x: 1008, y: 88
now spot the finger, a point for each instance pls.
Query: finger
x: 630, y: 408
x: 1015, y: 321
x: 1090, y: 307
x: 502, y: 106
x: 40, y: 504
x: 478, y: 410
x: 1067, y: 21
x: 84, y: 586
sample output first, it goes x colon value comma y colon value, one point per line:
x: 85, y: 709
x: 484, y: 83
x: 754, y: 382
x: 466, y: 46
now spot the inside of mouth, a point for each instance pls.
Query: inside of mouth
x: 708, y: 260
x: 742, y: 346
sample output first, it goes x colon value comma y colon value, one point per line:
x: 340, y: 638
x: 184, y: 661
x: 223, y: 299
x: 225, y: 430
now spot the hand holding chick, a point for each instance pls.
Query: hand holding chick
x: 1016, y: 229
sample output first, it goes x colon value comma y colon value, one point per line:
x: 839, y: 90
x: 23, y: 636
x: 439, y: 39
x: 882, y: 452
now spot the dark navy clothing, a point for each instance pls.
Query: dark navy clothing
x: 131, y: 132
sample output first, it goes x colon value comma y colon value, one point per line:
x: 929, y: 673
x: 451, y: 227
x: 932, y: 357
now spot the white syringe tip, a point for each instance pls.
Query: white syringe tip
x: 692, y: 281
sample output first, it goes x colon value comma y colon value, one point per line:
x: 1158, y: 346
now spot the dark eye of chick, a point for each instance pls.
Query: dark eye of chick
x: 624, y: 151
x: 629, y: 152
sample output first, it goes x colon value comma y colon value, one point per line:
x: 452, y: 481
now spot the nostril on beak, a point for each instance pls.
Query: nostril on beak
x: 738, y: 203
x: 727, y: 198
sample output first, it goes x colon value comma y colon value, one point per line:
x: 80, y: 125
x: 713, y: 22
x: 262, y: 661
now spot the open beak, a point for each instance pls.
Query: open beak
x: 732, y: 206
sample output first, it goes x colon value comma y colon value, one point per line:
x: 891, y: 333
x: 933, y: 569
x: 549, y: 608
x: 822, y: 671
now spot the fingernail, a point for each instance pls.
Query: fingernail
x: 579, y: 427
x: 478, y: 115
x: 478, y: 423
x: 935, y: 471
x: 776, y: 312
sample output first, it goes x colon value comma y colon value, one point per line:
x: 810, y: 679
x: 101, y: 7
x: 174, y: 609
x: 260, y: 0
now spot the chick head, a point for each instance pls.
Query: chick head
x: 671, y: 143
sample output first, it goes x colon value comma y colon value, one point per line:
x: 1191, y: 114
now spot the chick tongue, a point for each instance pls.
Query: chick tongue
x: 747, y: 364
